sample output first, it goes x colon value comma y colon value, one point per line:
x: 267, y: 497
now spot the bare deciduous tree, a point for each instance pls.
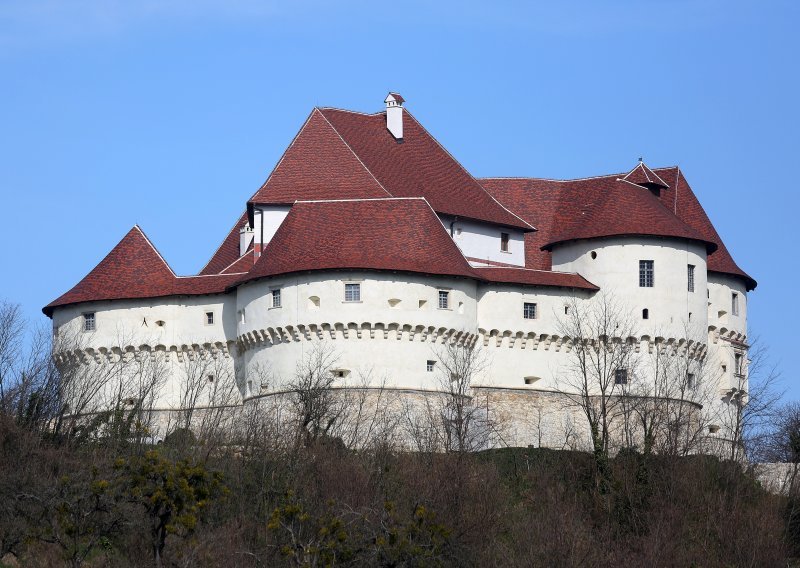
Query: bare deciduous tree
x: 602, y: 338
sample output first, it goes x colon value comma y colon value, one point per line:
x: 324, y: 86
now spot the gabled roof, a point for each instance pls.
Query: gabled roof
x: 374, y: 234
x: 134, y: 269
x: 318, y: 165
x: 341, y: 154
x: 609, y: 205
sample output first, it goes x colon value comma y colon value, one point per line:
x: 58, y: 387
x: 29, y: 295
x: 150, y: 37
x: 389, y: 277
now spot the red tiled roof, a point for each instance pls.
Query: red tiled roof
x: 243, y: 264
x: 227, y: 252
x: 342, y: 154
x: 398, y: 97
x: 531, y: 277
x: 318, y: 165
x: 604, y: 206
x: 607, y: 207
x: 684, y: 203
x: 380, y: 234
x: 134, y: 269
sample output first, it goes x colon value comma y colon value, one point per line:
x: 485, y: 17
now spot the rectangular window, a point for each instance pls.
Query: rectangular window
x: 504, y: 237
x: 690, y: 276
x: 529, y: 310
x: 430, y: 365
x: 734, y: 303
x: 276, y: 298
x: 352, y: 292
x: 209, y: 318
x: 621, y: 377
x: 444, y: 299
x: 242, y: 317
x: 690, y: 381
x: 89, y: 322
x: 646, y: 276
x: 737, y: 357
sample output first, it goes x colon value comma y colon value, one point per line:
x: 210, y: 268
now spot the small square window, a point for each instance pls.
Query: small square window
x: 621, y: 377
x: 734, y: 303
x: 430, y: 366
x: 89, y: 322
x: 352, y: 292
x: 209, y: 318
x: 276, y: 298
x: 646, y: 273
x: 444, y: 299
x: 504, y: 238
x: 529, y: 310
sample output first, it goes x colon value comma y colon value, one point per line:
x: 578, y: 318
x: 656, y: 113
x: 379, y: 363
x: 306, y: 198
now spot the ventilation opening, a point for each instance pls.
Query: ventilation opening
x: 566, y: 310
x: 210, y: 378
x: 594, y: 255
x: 394, y: 302
x: 461, y: 307
x: 690, y: 316
x: 645, y: 314
x: 721, y: 313
x: 340, y: 373
x: 531, y: 380
x: 160, y: 323
x: 313, y: 302
x: 713, y: 428
x: 422, y: 304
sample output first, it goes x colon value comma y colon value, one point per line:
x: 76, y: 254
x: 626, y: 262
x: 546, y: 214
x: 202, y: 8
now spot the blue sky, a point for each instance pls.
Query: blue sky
x: 170, y: 114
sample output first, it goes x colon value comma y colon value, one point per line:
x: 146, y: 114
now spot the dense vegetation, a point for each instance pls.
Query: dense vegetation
x: 113, y: 503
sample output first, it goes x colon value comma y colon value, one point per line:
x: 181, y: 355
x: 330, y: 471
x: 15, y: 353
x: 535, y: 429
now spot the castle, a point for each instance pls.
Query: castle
x: 369, y: 235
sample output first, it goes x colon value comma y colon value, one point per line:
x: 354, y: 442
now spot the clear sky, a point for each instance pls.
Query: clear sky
x: 171, y: 113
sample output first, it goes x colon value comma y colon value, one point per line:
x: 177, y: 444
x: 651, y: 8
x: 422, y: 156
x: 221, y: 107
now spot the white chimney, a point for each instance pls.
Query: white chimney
x: 394, y: 115
x: 246, y: 235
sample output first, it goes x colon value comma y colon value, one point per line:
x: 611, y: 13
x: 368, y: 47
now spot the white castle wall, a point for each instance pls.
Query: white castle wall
x: 482, y: 240
x: 397, y: 326
x: 382, y: 333
x: 616, y: 270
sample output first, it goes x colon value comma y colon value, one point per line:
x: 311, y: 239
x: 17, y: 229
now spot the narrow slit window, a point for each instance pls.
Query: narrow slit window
x: 645, y: 314
x: 734, y: 303
x: 690, y: 276
x: 504, y: 238
x: 646, y: 273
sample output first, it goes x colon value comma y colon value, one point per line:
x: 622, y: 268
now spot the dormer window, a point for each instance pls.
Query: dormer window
x: 504, y: 238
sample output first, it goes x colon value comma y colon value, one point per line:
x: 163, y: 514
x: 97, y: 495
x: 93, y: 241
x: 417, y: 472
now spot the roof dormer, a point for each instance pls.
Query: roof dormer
x: 647, y: 178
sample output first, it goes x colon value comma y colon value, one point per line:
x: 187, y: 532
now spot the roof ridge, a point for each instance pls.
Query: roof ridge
x: 352, y: 111
x: 391, y: 198
x: 530, y: 269
x: 571, y: 179
x: 210, y: 260
x: 149, y: 242
x: 460, y: 165
x: 286, y: 151
x: 363, y: 165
